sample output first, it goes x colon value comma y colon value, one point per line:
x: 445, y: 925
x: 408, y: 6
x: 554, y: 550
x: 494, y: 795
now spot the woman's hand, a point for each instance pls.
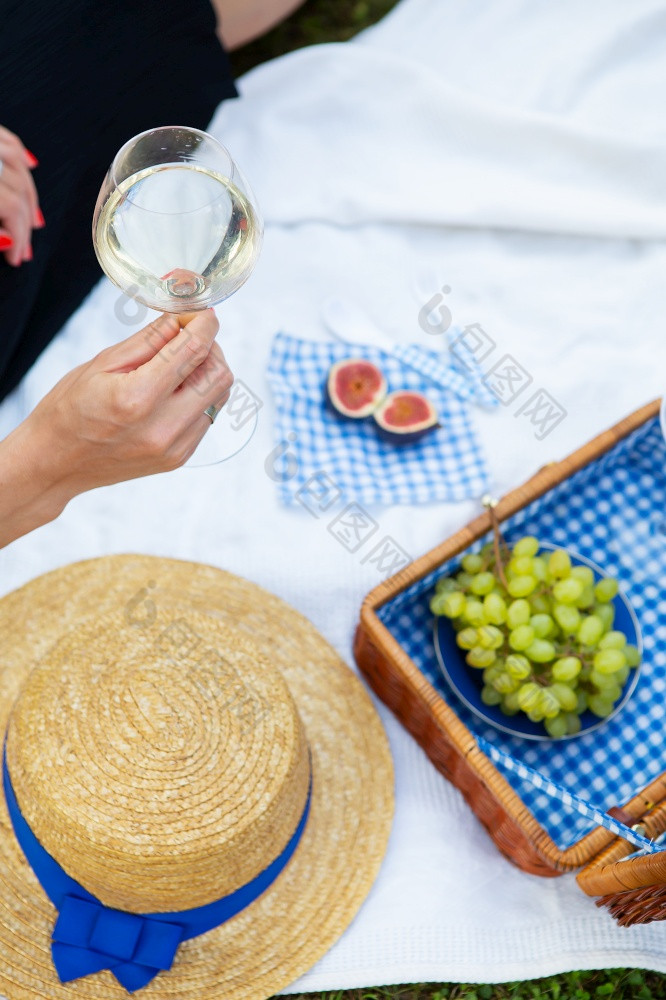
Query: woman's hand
x: 19, y: 206
x: 135, y: 409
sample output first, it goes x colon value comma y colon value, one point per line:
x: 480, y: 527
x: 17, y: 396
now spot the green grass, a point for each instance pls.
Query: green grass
x: 316, y: 21
x: 328, y: 21
x: 607, y: 984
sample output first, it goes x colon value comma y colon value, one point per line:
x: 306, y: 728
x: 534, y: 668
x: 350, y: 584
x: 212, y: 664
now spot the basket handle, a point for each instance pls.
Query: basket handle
x: 632, y: 884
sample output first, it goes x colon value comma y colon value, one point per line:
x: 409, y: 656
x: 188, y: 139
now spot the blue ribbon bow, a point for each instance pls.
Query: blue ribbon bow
x: 89, y: 937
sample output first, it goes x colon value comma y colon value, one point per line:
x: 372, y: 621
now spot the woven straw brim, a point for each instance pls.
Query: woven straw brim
x: 282, y: 934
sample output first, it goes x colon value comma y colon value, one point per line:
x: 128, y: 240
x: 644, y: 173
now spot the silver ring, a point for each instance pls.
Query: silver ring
x: 211, y: 412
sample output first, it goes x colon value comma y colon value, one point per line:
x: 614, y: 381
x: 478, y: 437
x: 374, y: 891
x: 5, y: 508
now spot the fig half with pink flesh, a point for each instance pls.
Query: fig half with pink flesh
x: 355, y: 388
x: 404, y: 417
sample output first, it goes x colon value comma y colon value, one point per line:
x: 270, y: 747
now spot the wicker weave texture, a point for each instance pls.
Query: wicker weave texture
x: 452, y: 747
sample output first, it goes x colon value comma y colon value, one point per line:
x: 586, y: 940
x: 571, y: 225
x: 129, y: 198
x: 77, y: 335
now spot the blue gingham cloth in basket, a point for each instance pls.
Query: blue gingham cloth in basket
x: 613, y: 512
x: 348, y: 455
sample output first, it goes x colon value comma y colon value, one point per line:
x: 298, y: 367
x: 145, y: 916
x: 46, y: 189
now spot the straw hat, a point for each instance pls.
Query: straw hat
x: 171, y: 730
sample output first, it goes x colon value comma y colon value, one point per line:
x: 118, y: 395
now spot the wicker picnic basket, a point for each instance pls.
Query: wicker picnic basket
x: 633, y: 889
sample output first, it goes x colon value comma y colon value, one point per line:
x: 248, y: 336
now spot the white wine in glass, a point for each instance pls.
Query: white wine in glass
x: 175, y: 224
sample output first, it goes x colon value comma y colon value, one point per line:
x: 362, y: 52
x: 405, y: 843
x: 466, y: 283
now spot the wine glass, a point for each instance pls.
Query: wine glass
x: 176, y: 225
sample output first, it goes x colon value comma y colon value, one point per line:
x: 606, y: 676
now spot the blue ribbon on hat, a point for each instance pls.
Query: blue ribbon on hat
x: 89, y: 936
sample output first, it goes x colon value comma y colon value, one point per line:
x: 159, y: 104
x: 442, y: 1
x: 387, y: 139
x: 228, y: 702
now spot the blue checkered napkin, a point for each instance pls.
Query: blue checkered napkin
x: 612, y: 512
x: 564, y: 796
x: 462, y: 375
x: 348, y: 455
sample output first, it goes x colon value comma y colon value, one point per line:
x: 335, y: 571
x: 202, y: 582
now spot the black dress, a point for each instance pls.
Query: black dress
x: 78, y: 78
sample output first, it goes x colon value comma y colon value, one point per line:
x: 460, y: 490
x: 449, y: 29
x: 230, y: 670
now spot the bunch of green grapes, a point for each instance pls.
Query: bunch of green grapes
x: 541, y: 631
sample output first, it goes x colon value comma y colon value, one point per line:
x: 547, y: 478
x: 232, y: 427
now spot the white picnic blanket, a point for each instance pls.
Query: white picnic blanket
x: 515, y: 152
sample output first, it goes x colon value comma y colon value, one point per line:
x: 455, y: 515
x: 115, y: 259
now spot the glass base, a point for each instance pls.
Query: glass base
x: 182, y: 284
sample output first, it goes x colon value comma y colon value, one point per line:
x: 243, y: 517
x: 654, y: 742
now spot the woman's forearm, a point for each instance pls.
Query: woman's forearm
x: 240, y: 21
x: 29, y: 494
x: 136, y: 409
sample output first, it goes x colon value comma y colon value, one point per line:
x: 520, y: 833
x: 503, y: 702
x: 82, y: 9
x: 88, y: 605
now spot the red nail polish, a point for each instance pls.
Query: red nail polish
x: 40, y: 221
x: 31, y: 159
x: 6, y: 242
x: 28, y: 253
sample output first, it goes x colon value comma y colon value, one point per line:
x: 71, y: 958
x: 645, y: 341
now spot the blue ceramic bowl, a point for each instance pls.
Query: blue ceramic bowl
x: 466, y: 681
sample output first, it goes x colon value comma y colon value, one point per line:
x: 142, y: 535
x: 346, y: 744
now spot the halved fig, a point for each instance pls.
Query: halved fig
x: 355, y: 387
x: 404, y: 417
